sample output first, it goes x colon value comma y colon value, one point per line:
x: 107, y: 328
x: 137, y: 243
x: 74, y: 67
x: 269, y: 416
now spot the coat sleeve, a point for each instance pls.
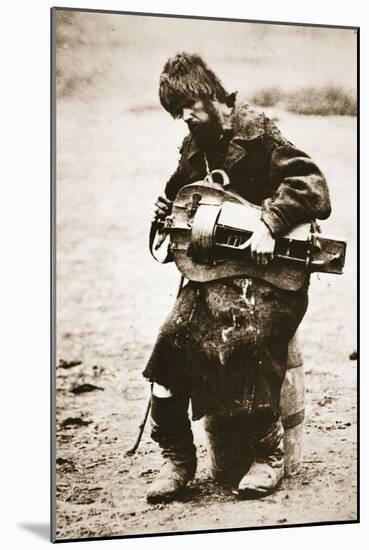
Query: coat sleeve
x: 300, y: 191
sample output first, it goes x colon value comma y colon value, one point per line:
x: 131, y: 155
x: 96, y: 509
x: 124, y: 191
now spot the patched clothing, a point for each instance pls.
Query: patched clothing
x: 225, y: 342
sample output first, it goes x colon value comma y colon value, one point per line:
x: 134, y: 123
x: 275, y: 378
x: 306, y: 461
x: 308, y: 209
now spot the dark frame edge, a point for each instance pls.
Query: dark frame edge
x: 53, y: 275
x: 212, y: 531
x: 357, y: 30
x: 206, y: 18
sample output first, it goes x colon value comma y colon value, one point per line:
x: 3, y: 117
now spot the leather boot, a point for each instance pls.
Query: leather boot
x: 267, y: 470
x: 171, y: 428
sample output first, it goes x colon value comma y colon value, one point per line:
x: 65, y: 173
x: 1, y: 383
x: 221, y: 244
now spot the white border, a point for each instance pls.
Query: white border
x: 24, y: 494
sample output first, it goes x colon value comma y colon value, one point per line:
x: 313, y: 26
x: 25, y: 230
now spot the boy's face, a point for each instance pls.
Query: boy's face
x: 196, y: 114
x: 202, y: 119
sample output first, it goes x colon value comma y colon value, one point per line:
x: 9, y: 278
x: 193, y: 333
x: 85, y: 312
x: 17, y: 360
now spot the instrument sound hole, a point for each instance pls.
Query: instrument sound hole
x: 292, y: 249
x: 230, y: 237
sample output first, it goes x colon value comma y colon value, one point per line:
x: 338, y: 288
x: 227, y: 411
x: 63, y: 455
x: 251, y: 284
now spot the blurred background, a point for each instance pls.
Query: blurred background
x: 309, y: 70
x: 115, y: 149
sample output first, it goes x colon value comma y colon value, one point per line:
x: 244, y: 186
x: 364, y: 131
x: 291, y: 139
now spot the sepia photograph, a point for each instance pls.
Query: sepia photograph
x: 204, y: 220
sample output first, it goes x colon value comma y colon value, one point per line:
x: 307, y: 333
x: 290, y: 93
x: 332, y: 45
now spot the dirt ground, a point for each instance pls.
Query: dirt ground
x: 112, y: 298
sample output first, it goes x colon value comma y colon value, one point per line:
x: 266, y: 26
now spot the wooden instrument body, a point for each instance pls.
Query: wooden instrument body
x: 208, y: 226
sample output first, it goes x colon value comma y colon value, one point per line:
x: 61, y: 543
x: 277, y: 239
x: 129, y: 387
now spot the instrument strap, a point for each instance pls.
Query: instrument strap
x: 208, y: 171
x: 153, y: 230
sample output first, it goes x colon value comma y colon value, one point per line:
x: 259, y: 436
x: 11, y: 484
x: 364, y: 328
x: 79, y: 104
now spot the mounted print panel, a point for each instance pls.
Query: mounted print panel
x: 205, y: 289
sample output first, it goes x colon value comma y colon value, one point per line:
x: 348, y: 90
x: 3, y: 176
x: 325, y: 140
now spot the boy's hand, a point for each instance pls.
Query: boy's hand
x: 261, y: 244
x: 162, y: 208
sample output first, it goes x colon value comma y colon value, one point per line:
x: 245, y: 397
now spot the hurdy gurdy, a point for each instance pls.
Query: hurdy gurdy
x: 210, y: 224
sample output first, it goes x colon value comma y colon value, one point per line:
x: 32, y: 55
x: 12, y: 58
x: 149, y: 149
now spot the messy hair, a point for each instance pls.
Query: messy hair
x: 186, y: 78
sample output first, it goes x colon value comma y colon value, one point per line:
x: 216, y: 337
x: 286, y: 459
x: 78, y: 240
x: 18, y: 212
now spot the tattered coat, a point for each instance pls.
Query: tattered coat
x: 225, y: 342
